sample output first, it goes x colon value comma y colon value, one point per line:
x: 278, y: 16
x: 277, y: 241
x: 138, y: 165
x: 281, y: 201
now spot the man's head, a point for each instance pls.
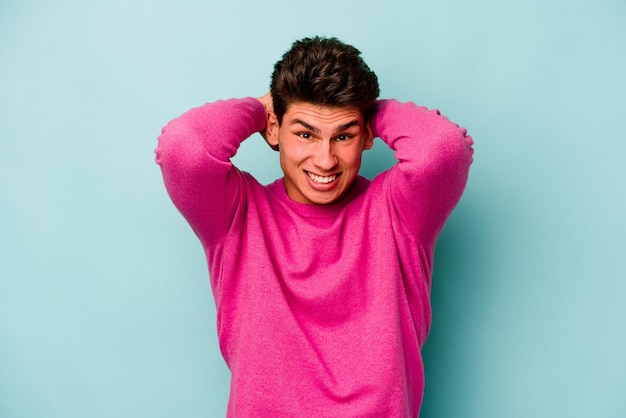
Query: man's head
x: 323, y: 95
x: 326, y: 72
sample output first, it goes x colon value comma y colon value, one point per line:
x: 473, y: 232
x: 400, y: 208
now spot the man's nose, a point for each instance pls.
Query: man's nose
x: 325, y: 156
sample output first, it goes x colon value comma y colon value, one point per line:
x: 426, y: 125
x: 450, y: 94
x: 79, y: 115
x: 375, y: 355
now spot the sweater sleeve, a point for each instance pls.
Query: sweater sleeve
x: 194, y: 153
x: 434, y: 156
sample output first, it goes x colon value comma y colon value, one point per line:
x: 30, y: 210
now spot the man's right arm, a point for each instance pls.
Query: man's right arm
x: 194, y: 153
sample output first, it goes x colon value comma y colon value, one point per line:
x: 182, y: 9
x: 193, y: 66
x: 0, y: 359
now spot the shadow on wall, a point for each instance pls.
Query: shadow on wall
x: 376, y: 160
x: 458, y: 305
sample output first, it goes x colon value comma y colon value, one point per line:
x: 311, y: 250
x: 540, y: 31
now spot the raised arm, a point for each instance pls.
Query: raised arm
x: 194, y: 153
x: 433, y: 156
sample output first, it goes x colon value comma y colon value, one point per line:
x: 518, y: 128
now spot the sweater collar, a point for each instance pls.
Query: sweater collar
x: 319, y: 211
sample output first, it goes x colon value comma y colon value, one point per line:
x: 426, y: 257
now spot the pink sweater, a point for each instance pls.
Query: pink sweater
x: 322, y: 310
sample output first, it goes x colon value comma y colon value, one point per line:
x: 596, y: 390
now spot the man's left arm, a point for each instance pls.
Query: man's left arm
x: 434, y: 156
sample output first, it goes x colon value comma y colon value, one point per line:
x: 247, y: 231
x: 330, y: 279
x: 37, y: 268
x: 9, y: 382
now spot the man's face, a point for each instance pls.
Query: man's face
x: 320, y: 150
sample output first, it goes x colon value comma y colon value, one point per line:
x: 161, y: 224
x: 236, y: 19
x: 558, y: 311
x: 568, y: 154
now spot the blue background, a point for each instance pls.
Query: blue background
x: 105, y: 303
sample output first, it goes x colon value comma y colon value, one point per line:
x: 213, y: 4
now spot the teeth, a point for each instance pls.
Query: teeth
x: 321, y: 179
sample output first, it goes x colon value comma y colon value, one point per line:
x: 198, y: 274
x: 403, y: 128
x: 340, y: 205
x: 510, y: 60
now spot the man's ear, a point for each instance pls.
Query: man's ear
x: 369, y: 137
x: 271, y: 133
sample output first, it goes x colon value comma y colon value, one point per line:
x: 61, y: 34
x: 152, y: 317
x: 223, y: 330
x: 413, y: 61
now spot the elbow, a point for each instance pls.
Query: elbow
x: 456, y: 150
x: 177, y: 148
x: 165, y: 147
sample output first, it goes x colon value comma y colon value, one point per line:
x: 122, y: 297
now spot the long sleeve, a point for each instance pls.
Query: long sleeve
x: 194, y: 153
x: 433, y: 156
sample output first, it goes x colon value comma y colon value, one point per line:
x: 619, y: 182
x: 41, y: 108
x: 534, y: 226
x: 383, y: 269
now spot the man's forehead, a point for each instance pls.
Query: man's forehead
x: 333, y: 115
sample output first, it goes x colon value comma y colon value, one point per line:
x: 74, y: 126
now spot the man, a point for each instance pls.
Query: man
x: 322, y: 278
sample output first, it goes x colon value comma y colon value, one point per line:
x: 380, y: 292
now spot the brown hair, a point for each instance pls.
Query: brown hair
x: 326, y: 72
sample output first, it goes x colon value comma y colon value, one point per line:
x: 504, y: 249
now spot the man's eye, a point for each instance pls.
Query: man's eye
x: 305, y: 135
x: 343, y: 137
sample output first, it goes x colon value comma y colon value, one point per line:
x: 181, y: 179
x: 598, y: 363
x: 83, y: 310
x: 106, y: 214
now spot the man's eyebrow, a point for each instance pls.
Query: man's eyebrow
x: 306, y: 125
x: 347, y: 125
x: 312, y: 128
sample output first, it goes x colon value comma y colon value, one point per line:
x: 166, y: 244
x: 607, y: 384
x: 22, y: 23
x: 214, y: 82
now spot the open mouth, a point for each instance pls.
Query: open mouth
x: 321, y: 179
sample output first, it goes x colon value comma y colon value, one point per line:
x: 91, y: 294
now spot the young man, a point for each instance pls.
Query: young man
x: 322, y: 278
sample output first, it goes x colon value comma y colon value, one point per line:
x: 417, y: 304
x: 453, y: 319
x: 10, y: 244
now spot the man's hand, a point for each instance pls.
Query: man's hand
x: 268, y: 105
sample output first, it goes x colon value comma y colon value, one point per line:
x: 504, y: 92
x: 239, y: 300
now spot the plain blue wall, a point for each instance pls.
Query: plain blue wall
x: 105, y: 304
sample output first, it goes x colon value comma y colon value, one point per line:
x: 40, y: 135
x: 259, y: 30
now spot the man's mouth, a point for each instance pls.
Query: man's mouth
x: 321, y: 179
